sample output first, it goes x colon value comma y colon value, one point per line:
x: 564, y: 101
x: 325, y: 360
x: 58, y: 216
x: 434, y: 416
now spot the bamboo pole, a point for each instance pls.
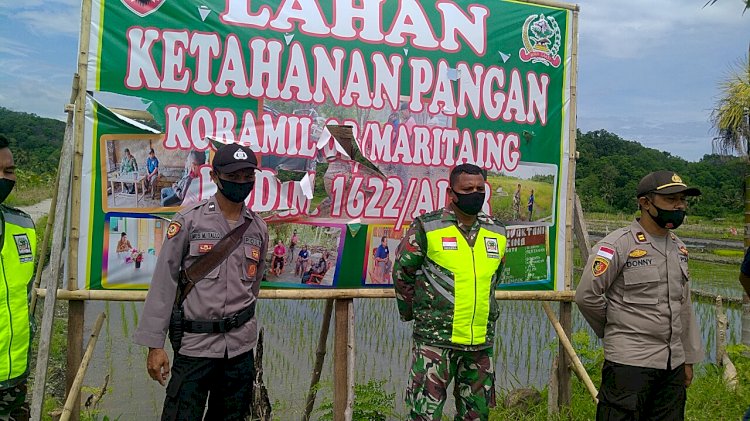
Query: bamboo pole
x: 56, y: 196
x: 56, y: 262
x: 76, y: 309
x: 577, y: 365
x: 565, y: 392
x: 581, y: 230
x: 78, y: 380
x: 320, y: 354
x: 551, y: 3
x: 306, y: 294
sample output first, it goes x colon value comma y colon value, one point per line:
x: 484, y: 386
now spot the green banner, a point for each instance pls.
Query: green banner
x: 357, y: 112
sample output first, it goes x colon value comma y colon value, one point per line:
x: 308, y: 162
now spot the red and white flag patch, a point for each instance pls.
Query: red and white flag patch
x: 450, y: 243
x: 606, y: 252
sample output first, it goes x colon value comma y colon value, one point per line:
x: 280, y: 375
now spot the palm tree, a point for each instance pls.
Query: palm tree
x: 712, y: 2
x: 731, y: 119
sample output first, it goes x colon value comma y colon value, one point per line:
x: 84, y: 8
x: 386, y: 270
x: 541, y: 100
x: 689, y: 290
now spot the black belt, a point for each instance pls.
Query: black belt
x: 222, y: 325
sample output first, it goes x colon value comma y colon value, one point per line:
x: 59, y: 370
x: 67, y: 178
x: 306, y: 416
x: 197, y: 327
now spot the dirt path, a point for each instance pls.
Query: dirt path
x: 37, y: 210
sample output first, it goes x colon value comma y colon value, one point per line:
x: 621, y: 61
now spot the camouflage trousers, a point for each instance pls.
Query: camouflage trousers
x: 432, y: 370
x: 13, y: 405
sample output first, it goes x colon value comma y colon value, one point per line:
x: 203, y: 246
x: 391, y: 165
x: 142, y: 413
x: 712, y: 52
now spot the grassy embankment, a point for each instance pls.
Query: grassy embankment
x: 30, y: 188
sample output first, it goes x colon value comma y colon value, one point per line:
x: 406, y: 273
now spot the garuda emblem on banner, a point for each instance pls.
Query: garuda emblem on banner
x: 143, y: 7
x: 541, y: 40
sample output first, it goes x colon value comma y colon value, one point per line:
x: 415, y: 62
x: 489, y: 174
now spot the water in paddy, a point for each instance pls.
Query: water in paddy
x: 525, y: 346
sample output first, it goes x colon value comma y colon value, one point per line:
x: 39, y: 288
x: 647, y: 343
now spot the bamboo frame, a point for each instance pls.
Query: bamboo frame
x: 76, y: 314
x: 566, y: 319
x: 552, y: 3
x: 76, y: 310
x: 75, y: 390
x: 320, y: 354
x: 565, y: 342
x: 56, y: 259
x: 296, y: 294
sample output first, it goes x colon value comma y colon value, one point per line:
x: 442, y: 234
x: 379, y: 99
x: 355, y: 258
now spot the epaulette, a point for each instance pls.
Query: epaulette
x: 436, y: 214
x: 14, y: 211
x: 16, y: 216
x: 186, y: 210
x: 616, y: 235
x: 496, y: 221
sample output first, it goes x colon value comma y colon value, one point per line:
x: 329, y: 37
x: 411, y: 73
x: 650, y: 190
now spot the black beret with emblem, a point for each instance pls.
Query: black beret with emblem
x: 665, y: 182
x: 234, y: 157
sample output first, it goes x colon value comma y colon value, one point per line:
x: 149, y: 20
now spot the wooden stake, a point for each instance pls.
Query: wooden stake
x: 721, y: 330
x: 553, y: 407
x: 74, y: 351
x: 78, y: 381
x: 56, y: 262
x: 320, y: 354
x: 564, y: 387
x: 343, y: 361
x: 577, y: 365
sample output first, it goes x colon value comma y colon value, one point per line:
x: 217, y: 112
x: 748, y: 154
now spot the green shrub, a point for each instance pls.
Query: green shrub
x: 371, y: 403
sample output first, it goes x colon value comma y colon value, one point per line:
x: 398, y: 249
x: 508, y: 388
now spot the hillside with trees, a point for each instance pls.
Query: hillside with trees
x: 35, y: 141
x: 607, y: 172
x: 610, y: 167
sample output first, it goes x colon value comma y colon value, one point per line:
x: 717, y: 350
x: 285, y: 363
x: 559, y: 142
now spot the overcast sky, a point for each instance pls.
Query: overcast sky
x: 648, y: 69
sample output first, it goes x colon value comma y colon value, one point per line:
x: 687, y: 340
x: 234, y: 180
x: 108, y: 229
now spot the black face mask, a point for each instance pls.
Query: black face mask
x: 669, y: 219
x: 469, y: 203
x: 235, y: 192
x: 5, y: 188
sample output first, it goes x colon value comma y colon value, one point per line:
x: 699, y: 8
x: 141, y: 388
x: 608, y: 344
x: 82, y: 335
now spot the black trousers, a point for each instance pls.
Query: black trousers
x: 229, y: 381
x: 640, y: 394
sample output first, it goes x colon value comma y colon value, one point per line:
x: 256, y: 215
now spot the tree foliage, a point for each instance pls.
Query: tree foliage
x: 609, y: 168
x: 731, y: 117
x: 607, y: 172
x: 35, y: 141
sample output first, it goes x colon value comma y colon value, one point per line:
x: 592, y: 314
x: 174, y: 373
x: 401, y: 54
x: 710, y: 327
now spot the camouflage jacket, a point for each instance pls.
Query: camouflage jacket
x: 419, y: 300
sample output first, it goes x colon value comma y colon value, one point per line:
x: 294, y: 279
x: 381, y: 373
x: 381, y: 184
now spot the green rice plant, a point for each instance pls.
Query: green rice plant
x: 371, y: 403
x: 729, y: 253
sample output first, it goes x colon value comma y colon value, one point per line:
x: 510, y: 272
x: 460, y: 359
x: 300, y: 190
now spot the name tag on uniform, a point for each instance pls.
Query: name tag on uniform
x: 450, y: 243
x: 639, y: 263
x: 492, y: 247
x: 253, y: 241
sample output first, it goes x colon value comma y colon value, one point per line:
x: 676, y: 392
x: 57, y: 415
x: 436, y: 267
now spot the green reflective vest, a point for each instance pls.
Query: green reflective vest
x: 471, y: 287
x: 18, y: 242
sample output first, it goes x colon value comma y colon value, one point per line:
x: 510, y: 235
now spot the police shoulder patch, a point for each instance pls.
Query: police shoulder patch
x: 600, y: 266
x: 636, y: 253
x: 173, y: 229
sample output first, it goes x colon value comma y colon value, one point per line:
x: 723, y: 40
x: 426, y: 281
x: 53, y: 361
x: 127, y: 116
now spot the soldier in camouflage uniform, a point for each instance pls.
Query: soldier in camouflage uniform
x: 446, y: 271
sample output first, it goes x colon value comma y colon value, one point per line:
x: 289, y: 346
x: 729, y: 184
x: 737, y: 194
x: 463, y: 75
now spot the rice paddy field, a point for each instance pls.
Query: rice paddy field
x: 525, y: 346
